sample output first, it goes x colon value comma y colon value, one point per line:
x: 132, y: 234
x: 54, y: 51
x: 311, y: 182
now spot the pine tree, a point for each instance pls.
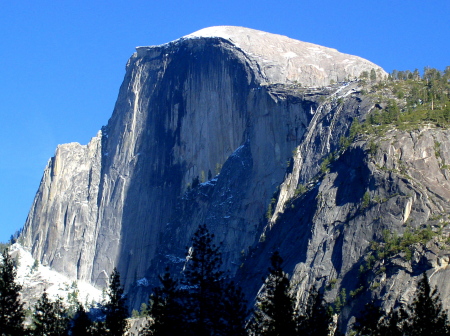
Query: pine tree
x: 115, y: 309
x: 274, y: 314
x: 368, y: 324
x: 375, y: 322
x: 166, y: 309
x: 204, y: 280
x: 314, y: 319
x: 81, y: 323
x: 427, y: 315
x: 205, y: 304
x: 235, y: 311
x: 394, y: 323
x: 11, y: 309
x: 373, y: 75
x: 50, y: 318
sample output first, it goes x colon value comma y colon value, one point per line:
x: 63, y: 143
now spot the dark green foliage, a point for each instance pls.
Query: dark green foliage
x: 364, y: 75
x: 392, y: 244
x: 365, y: 200
x: 270, y: 209
x: 205, y: 304
x: 81, y: 323
x: 374, y: 322
x: 354, y: 130
x: 424, y: 316
x: 395, y: 323
x: 313, y: 319
x: 204, y: 280
x: 166, y: 309
x: 425, y: 99
x: 427, y: 315
x: 235, y: 310
x: 115, y: 309
x: 392, y: 113
x: 12, y: 313
x: 341, y: 301
x: 50, y: 318
x: 143, y: 310
x: 373, y: 75
x: 325, y: 165
x: 195, y: 182
x: 274, y: 313
x: 368, y: 323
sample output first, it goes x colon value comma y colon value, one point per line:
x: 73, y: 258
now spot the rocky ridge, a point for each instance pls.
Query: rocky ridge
x: 327, y: 232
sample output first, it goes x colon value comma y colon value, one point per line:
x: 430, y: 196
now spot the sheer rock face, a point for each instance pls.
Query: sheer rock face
x: 62, y: 223
x: 221, y: 106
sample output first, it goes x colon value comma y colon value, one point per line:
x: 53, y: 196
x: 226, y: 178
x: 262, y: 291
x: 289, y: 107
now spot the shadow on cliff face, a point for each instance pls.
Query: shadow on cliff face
x: 153, y: 200
x: 289, y: 235
x: 294, y: 228
x: 353, y: 177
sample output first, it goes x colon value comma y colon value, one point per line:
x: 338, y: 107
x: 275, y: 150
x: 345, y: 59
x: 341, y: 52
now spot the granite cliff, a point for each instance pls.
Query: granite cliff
x: 233, y: 127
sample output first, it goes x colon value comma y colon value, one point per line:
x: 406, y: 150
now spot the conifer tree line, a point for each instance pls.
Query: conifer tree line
x: 52, y: 317
x: 203, y: 301
x: 411, y: 98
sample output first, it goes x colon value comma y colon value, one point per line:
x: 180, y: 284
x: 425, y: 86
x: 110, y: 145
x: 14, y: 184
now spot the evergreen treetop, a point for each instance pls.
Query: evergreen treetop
x: 166, y: 309
x: 424, y: 316
x: 274, y: 313
x: 204, y: 303
x: 204, y: 280
x: 49, y: 318
x: 115, y: 309
x: 81, y: 323
x: 427, y: 314
x: 12, y: 313
x: 313, y: 319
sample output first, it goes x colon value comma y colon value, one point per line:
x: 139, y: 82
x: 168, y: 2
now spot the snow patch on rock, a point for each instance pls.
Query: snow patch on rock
x: 35, y: 278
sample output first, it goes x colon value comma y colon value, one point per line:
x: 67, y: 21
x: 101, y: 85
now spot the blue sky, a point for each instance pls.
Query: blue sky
x: 62, y: 62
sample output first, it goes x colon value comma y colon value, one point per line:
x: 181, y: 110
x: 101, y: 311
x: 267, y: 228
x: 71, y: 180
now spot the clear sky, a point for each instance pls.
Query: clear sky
x: 62, y: 62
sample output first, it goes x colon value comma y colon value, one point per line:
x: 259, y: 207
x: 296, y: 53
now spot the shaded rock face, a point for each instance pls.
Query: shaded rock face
x: 214, y: 128
x: 325, y: 233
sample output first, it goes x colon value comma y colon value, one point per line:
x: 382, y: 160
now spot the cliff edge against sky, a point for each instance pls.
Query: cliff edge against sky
x: 223, y: 127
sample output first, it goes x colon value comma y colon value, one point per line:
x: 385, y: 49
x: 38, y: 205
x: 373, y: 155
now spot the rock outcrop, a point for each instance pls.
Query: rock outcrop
x: 185, y: 109
x: 395, y: 183
x: 229, y: 126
